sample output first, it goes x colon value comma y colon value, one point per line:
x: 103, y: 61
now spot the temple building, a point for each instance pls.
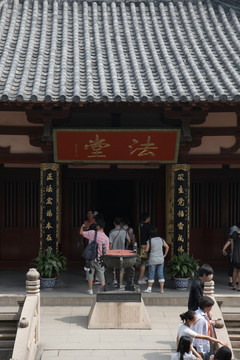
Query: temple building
x: 119, y: 106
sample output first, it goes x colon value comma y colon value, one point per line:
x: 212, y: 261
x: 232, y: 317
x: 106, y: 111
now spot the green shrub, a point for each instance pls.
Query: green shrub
x: 183, y: 266
x: 49, y: 264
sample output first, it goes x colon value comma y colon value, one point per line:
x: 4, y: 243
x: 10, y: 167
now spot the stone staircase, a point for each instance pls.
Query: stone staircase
x: 231, y: 316
x: 8, y: 329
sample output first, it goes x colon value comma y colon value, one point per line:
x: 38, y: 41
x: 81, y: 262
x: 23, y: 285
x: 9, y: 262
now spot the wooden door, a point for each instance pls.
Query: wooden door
x: 215, y: 206
x: 19, y: 217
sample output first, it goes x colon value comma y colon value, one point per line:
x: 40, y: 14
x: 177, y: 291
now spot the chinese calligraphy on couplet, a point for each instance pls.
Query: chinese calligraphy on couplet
x: 48, y: 225
x: 181, y: 211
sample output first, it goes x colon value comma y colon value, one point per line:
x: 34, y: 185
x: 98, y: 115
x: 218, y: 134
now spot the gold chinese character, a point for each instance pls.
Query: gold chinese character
x: 49, y: 248
x: 180, y: 189
x: 180, y: 177
x: 49, y: 188
x: 97, y: 145
x: 180, y: 213
x: 143, y: 148
x: 180, y: 249
x: 49, y: 201
x: 49, y: 177
x: 180, y: 238
x: 49, y: 237
x: 49, y: 213
x: 180, y: 201
x: 180, y: 226
x: 48, y: 226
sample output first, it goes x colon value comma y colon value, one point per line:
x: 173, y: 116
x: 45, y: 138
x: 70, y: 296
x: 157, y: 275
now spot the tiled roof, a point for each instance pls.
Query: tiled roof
x: 119, y: 51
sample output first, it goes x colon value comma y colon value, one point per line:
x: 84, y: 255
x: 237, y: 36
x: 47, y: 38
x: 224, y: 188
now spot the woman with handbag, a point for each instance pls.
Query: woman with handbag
x: 156, y: 259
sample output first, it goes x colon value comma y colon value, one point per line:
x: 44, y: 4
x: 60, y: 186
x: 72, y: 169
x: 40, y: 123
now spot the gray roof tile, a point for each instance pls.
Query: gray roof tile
x: 119, y: 51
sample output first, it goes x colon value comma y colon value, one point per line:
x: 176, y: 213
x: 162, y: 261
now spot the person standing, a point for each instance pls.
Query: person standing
x: 117, y: 239
x: 205, y: 274
x: 203, y: 325
x: 95, y: 266
x: 156, y: 259
x: 129, y: 230
x: 235, y: 244
x: 227, y: 251
x: 142, y: 236
x: 90, y: 220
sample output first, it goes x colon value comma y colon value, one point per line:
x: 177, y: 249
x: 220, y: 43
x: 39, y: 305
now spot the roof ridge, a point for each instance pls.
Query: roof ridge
x: 110, y: 1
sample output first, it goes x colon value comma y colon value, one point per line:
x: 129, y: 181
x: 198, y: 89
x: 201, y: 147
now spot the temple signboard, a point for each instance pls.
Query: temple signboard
x: 111, y: 146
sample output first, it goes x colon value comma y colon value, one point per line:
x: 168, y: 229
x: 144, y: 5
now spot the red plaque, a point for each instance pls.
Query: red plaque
x: 111, y: 146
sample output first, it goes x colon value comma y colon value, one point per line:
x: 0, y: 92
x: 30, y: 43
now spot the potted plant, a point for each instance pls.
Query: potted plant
x: 49, y: 264
x: 182, y: 267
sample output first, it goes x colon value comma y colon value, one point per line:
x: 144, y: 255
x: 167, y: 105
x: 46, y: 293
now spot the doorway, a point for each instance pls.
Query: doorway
x: 119, y: 193
x: 115, y: 198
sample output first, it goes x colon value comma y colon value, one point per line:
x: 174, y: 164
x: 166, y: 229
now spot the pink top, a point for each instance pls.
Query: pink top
x: 101, y: 239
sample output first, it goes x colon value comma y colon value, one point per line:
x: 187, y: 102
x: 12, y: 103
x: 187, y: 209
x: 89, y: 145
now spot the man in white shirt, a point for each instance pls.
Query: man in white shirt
x: 203, y: 325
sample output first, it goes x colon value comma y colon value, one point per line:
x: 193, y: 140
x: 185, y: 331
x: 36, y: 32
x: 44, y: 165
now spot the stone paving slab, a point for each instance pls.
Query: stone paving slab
x: 102, y: 355
x: 64, y: 335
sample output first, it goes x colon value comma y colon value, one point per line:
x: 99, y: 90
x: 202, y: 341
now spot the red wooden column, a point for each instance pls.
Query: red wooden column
x: 178, y: 207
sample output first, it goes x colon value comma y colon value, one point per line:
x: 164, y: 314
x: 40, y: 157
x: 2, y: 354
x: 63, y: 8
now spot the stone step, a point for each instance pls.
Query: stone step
x: 236, y: 353
x: 235, y: 344
x: 6, y: 323
x: 7, y: 336
x: 232, y: 324
x: 9, y: 316
x: 231, y: 317
x: 233, y: 330
x: 169, y: 298
x: 228, y: 300
x: 7, y: 344
x: 235, y: 337
x: 5, y: 354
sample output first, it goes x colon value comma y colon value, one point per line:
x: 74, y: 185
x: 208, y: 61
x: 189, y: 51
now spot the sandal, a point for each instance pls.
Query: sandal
x: 230, y: 284
x: 234, y: 289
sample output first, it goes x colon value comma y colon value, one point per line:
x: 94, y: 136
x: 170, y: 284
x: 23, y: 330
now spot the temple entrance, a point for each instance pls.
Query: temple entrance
x: 115, y: 198
x: 125, y: 194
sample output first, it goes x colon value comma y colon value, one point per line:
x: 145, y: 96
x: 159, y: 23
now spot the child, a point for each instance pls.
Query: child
x: 185, y: 351
x: 224, y: 353
x: 196, y: 291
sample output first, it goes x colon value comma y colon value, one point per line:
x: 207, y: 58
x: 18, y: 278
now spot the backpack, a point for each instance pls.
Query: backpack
x: 91, y: 250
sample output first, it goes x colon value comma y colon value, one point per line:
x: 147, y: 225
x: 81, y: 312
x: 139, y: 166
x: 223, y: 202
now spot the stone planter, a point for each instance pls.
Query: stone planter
x: 47, y: 283
x: 181, y: 283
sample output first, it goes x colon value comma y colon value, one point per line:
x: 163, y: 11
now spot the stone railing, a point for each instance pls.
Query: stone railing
x: 28, y: 331
x: 220, y: 334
